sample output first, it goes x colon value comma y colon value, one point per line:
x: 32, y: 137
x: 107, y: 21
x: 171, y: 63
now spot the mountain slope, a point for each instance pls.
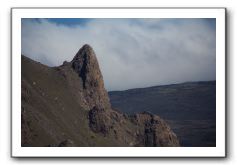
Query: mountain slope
x: 68, y: 106
x: 190, y: 108
x: 51, y: 113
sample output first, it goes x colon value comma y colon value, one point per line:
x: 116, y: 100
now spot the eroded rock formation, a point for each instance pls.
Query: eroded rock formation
x: 70, y: 102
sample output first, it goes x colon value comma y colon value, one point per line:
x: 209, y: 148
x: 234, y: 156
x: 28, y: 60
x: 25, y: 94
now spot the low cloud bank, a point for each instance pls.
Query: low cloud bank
x: 132, y: 53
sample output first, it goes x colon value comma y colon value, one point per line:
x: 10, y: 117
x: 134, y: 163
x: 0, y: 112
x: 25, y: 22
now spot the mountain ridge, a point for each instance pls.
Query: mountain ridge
x: 69, y: 106
x: 164, y: 85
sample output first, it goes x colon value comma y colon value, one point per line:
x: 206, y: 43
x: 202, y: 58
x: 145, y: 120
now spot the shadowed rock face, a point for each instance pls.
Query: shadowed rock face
x: 69, y: 106
x: 155, y: 131
x: 86, y: 66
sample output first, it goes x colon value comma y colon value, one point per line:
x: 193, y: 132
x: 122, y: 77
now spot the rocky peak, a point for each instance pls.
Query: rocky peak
x: 85, y: 64
x: 80, y: 108
x: 151, y: 130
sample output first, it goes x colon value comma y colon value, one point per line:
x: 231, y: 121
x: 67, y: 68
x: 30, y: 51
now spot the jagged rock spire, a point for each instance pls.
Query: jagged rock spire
x: 85, y: 64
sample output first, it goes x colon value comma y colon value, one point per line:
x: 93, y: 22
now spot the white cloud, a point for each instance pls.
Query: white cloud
x: 131, y: 52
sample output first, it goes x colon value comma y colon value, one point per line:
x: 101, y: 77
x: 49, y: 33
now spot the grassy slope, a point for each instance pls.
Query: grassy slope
x: 48, y: 116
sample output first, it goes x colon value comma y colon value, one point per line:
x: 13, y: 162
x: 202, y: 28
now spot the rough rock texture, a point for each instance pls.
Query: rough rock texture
x: 142, y: 129
x: 69, y: 106
x: 99, y: 120
x: 154, y: 131
x: 86, y: 66
x: 151, y: 129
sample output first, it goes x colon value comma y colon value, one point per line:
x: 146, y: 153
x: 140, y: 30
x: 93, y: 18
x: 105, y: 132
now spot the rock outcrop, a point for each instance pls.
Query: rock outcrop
x: 85, y: 64
x: 70, y: 102
x: 151, y: 129
x: 154, y: 131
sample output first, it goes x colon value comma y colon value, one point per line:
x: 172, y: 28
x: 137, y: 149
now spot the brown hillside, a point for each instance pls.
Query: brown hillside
x: 69, y: 106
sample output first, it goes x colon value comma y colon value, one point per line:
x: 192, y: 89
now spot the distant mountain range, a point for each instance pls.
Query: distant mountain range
x: 190, y: 108
x: 68, y: 106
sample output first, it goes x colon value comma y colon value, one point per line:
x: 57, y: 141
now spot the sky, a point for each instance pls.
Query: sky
x: 132, y: 53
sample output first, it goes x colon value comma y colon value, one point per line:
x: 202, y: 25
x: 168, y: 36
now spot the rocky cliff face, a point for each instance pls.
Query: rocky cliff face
x: 77, y: 109
x: 154, y: 131
x: 86, y: 66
